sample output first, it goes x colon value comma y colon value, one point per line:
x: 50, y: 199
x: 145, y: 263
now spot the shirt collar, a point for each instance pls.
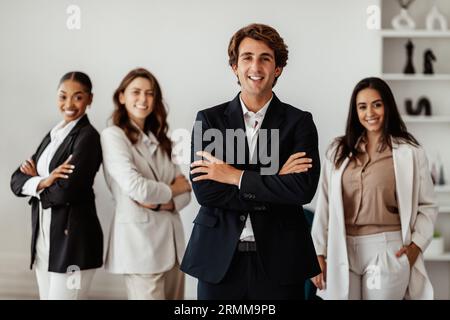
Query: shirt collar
x: 361, y: 144
x: 61, y: 130
x: 260, y: 114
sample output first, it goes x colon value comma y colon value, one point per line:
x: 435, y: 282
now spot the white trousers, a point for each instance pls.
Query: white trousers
x: 375, y: 272
x: 64, y: 286
x: 167, y: 285
x: 57, y: 286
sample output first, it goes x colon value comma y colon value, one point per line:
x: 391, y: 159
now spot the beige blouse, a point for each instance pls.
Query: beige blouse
x: 368, y: 192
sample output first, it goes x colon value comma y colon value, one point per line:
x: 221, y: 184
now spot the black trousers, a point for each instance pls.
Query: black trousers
x: 246, y: 280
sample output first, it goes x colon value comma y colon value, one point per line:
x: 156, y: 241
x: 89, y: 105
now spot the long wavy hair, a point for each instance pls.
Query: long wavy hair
x: 393, y: 124
x: 156, y: 122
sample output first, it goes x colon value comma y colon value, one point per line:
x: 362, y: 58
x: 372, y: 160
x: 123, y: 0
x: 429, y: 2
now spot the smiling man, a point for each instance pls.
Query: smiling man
x: 250, y: 239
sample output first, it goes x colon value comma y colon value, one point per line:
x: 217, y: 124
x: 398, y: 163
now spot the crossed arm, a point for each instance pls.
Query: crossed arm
x: 216, y: 184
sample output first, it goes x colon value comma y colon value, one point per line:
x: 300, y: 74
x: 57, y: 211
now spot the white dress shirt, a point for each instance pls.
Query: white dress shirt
x: 253, y: 123
x: 57, y: 136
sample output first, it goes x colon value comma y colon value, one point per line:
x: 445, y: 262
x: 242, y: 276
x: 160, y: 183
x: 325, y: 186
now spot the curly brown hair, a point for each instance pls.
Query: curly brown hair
x: 156, y: 122
x: 260, y: 32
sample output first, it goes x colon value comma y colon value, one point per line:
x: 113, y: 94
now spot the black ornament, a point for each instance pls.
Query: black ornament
x: 428, y: 58
x: 405, y: 4
x: 409, y: 69
x: 422, y: 105
x: 409, y: 107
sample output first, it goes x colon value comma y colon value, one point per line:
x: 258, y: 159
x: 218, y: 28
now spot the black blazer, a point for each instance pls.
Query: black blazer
x: 76, y: 236
x: 274, y: 202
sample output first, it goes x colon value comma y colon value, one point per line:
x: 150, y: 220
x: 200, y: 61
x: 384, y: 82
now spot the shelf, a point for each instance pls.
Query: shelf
x: 442, y: 257
x: 442, y: 189
x: 444, y: 209
x: 426, y: 119
x: 417, y: 77
x: 414, y: 34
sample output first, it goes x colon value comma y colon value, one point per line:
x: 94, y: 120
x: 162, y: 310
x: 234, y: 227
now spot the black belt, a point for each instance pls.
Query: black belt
x: 246, y: 246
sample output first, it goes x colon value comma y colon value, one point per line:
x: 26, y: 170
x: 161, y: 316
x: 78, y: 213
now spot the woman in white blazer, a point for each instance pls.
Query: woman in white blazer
x: 146, y: 242
x: 376, y: 208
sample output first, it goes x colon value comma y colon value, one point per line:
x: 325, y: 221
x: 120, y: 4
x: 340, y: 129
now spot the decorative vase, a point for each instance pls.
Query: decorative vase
x: 403, y: 21
x: 436, y: 17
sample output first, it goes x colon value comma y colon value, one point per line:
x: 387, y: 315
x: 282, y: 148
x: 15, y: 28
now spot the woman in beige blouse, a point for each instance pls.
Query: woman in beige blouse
x: 376, y: 210
x: 146, y: 241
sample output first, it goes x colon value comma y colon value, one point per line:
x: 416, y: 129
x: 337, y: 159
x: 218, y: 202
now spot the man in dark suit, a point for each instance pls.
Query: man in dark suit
x: 250, y: 239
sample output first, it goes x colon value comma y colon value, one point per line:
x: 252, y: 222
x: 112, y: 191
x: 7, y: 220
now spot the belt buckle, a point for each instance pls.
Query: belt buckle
x: 247, y: 246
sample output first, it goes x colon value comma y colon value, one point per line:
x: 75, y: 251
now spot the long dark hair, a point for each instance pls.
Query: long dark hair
x: 393, y: 124
x: 156, y: 122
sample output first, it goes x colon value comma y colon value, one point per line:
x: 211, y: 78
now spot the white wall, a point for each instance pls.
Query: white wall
x: 184, y: 43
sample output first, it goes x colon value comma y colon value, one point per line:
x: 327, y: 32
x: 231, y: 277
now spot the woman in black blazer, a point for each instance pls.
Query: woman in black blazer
x: 67, y: 239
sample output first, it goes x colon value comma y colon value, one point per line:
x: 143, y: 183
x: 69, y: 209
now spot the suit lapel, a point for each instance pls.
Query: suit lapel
x: 336, y: 184
x: 142, y: 149
x: 42, y: 147
x: 61, y: 153
x: 234, y: 119
x: 404, y: 172
x: 273, y: 119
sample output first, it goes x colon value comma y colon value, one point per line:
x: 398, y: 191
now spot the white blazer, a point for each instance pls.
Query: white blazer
x: 141, y: 240
x: 418, y: 211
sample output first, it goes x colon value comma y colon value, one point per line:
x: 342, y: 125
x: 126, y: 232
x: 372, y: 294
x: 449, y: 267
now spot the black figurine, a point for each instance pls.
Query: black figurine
x: 409, y: 69
x: 428, y: 58
x: 405, y: 4
x: 409, y: 108
x: 422, y: 104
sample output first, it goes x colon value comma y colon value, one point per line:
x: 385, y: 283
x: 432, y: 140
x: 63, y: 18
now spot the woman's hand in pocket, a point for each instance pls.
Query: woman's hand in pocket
x: 320, y: 280
x: 412, y: 252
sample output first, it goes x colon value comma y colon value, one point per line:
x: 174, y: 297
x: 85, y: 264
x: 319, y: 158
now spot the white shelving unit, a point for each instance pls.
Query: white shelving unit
x: 414, y: 34
x: 444, y: 209
x: 426, y: 119
x: 416, y: 77
x: 442, y: 189
x: 432, y: 132
x: 442, y: 257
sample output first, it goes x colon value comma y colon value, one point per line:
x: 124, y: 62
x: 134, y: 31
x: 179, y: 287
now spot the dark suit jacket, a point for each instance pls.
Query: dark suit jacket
x: 274, y: 202
x: 76, y: 236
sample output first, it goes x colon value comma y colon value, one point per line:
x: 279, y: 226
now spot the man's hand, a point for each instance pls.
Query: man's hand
x: 412, y: 252
x: 297, y: 163
x: 215, y: 169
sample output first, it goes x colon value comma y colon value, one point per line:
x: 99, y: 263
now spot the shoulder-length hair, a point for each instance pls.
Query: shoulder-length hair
x: 393, y: 126
x: 156, y: 122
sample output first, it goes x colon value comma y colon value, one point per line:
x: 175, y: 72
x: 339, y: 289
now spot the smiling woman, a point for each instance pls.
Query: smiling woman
x: 146, y: 242
x: 59, y: 179
x: 371, y: 225
x: 74, y: 95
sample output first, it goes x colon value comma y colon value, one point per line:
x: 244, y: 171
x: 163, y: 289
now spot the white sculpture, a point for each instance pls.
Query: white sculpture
x: 436, y: 16
x: 403, y: 21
